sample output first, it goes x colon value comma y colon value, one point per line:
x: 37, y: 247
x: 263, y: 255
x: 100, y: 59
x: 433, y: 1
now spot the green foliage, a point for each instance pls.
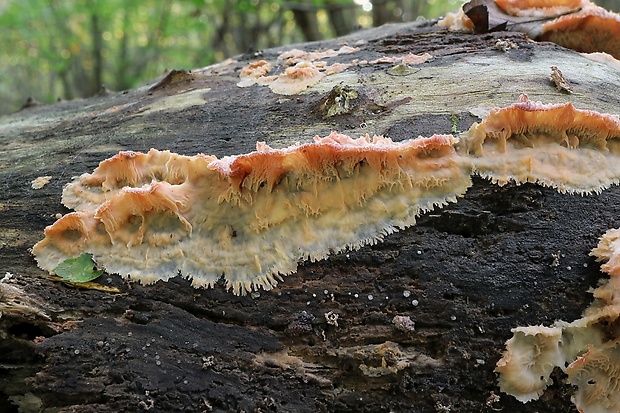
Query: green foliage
x: 455, y: 120
x: 64, y: 49
x: 78, y: 270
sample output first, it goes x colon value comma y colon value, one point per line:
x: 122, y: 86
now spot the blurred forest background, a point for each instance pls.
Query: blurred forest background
x: 63, y: 49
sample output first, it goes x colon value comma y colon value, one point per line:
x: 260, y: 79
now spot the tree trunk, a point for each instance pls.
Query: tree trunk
x: 466, y: 274
x: 306, y: 19
x: 97, y: 35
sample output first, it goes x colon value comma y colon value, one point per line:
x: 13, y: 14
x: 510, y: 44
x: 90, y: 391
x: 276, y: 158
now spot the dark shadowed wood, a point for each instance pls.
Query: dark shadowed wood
x: 499, y: 258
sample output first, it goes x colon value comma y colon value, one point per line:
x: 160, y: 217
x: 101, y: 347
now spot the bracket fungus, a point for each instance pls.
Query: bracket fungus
x: 592, y: 29
x: 572, y: 150
x: 587, y: 349
x: 250, y: 217
x: 540, y: 8
x: 575, y: 24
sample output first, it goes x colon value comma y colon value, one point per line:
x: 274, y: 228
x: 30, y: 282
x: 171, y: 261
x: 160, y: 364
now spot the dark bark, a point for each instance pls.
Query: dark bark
x: 475, y: 269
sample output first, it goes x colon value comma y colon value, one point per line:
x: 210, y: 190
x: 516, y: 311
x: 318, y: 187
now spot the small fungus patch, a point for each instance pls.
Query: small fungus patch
x: 40, y: 182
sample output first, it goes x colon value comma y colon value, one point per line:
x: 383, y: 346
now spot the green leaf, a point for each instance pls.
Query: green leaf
x: 78, y: 270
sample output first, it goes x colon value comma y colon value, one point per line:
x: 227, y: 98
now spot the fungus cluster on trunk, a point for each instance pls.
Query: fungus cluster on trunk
x: 252, y: 218
x: 575, y: 24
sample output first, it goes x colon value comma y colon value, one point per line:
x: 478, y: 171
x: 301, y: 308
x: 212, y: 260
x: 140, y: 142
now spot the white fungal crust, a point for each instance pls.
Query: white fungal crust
x: 572, y: 150
x: 252, y: 217
x: 532, y: 354
x: 597, y: 376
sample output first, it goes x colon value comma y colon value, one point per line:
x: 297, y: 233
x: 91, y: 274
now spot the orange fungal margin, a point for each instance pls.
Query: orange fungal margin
x: 572, y: 150
x: 593, y: 29
x: 540, y: 8
x: 250, y: 218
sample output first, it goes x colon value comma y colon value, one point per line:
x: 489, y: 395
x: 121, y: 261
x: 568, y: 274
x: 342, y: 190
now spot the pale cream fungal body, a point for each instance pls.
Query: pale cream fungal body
x: 297, y: 78
x: 572, y: 150
x: 252, y: 217
x: 586, y: 349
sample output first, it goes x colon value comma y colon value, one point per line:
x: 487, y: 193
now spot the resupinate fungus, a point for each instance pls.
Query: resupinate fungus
x: 252, y: 218
x: 575, y: 24
x: 557, y: 145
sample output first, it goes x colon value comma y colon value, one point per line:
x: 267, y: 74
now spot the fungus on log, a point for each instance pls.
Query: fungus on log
x: 540, y: 8
x: 575, y: 24
x: 250, y: 217
x: 255, y: 73
x: 302, y: 70
x: 592, y: 29
x: 297, y: 78
x: 585, y: 349
x: 597, y: 377
x: 575, y: 151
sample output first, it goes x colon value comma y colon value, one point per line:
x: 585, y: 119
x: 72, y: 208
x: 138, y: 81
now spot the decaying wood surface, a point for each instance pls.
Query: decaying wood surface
x: 325, y: 338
